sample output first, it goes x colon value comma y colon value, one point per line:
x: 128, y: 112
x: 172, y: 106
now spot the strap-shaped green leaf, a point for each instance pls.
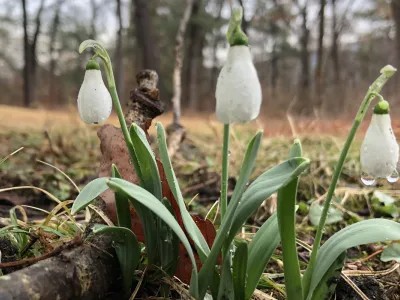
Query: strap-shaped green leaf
x: 364, y: 232
x: 264, y: 186
x: 327, y: 285
x: 261, y: 248
x: 127, y: 249
x: 87, y: 195
x: 190, y: 226
x: 239, y: 269
x: 221, y: 238
x: 137, y: 194
x: 226, y: 287
x: 121, y: 203
x: 286, y: 213
x: 149, y: 171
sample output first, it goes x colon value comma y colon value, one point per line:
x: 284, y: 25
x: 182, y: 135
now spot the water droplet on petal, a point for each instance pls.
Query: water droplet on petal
x: 367, y: 179
x: 393, y: 177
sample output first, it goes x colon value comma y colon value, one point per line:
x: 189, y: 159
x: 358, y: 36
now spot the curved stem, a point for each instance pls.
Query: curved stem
x: 373, y: 90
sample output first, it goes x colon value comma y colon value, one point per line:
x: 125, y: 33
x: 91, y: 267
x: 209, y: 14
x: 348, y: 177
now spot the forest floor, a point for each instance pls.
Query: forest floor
x: 62, y: 140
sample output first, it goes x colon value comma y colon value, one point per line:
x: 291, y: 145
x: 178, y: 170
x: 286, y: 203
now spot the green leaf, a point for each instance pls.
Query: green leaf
x: 121, y: 203
x: 314, y: 215
x: 127, y: 249
x: 286, y: 213
x: 221, y: 238
x: 190, y: 226
x: 264, y: 186
x: 226, y: 287
x: 364, y: 232
x: 169, y: 244
x: 147, y: 162
x: 137, y: 194
x: 21, y: 238
x: 87, y: 195
x: 261, y: 248
x: 239, y: 268
x: 327, y: 286
x: 391, y: 252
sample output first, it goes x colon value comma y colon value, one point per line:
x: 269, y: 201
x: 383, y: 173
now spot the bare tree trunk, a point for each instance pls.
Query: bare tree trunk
x: 118, y: 54
x: 274, y: 68
x: 305, y: 62
x: 146, y: 40
x: 53, y: 61
x: 396, y: 17
x: 245, y: 23
x: 195, y: 55
x: 27, y: 59
x: 214, y: 69
x: 334, y: 46
x: 318, y: 78
x: 177, y: 79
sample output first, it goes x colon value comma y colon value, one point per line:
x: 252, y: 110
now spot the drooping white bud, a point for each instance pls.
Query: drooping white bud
x: 380, y: 151
x: 94, y: 100
x: 238, y: 91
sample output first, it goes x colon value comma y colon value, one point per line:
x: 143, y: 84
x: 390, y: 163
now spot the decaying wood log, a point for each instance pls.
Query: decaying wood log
x: 89, y: 271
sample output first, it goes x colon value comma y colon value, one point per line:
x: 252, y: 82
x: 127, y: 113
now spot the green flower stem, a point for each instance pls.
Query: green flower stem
x: 101, y: 52
x: 224, y: 178
x: 373, y: 90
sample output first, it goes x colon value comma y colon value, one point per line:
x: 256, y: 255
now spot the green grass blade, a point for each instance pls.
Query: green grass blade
x: 190, y: 226
x: 264, y: 186
x: 239, y: 270
x: 138, y: 194
x: 149, y: 171
x: 121, y: 203
x: 364, y: 232
x: 261, y: 248
x: 127, y: 249
x: 87, y: 195
x: 286, y: 213
x: 221, y: 238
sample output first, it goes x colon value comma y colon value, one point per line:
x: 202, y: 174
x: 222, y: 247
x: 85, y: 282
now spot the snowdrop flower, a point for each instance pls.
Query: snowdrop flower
x: 238, y: 91
x: 379, y: 150
x: 94, y: 100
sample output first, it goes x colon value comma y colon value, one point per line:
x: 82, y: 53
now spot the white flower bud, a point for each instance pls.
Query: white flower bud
x: 94, y: 100
x: 379, y: 150
x: 238, y: 91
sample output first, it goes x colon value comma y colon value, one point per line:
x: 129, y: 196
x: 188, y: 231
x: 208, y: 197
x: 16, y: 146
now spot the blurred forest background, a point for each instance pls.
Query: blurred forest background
x: 314, y: 57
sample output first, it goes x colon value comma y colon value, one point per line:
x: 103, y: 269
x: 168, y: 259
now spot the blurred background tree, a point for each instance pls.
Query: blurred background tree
x: 313, y: 56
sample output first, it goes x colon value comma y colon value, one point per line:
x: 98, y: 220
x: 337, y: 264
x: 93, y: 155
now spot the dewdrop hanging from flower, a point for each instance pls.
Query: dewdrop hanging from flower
x: 238, y: 91
x: 379, y: 150
x: 94, y: 100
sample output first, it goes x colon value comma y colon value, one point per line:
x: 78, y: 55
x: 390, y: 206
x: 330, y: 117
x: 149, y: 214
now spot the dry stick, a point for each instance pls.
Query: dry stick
x: 31, y: 260
x: 355, y: 287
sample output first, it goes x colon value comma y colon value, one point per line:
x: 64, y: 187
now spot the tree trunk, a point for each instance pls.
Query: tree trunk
x: 119, y: 71
x: 318, y: 77
x: 305, y: 64
x: 334, y: 46
x: 245, y: 23
x: 214, y: 69
x: 396, y: 17
x: 146, y: 40
x: 52, y: 52
x: 27, y: 59
x: 177, y: 78
x: 194, y: 55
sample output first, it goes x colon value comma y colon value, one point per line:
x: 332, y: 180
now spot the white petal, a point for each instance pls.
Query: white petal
x: 238, y: 91
x: 379, y: 150
x: 94, y: 100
